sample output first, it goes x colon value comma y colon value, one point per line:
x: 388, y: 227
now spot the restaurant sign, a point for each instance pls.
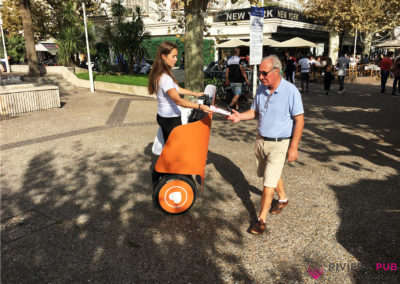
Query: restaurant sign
x: 270, y: 12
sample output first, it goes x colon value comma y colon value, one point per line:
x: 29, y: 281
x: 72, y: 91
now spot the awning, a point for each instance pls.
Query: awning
x: 233, y: 43
x: 395, y: 43
x: 50, y: 47
x: 296, y: 42
x: 270, y: 42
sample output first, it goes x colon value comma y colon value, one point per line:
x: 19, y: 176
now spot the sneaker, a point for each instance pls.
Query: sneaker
x: 258, y: 228
x: 277, y: 206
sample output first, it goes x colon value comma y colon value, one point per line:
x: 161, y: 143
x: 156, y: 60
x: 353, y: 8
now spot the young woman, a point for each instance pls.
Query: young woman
x: 163, y: 83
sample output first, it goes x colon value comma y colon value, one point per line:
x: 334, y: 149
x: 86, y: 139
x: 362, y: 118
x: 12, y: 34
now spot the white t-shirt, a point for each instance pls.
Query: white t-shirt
x: 305, y: 65
x: 166, y: 106
x: 233, y: 60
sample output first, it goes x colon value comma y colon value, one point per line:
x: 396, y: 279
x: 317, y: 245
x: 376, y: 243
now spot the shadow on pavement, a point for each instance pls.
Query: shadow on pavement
x: 363, y: 126
x: 370, y: 214
x: 234, y: 175
x: 92, y: 219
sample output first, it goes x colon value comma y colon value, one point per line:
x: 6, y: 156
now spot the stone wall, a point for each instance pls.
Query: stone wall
x: 69, y: 76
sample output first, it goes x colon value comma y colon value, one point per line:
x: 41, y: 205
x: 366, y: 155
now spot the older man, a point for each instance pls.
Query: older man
x: 279, y: 109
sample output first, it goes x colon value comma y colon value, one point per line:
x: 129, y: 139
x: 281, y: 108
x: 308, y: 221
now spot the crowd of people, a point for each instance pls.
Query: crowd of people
x: 311, y: 68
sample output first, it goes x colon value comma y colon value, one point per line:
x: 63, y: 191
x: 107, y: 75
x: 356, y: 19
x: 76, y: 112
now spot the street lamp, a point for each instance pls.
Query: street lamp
x: 4, y: 45
x: 88, y: 50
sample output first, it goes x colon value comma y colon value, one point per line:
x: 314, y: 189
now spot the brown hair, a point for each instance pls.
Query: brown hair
x: 159, y: 66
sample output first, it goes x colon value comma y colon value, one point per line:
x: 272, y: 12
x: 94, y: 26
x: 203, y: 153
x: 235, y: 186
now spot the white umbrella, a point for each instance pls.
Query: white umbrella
x: 296, y: 42
x: 395, y: 43
x: 233, y: 43
x: 270, y: 42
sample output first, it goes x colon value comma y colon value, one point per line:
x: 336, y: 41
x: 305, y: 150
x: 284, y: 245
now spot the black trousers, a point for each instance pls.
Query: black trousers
x: 396, y: 81
x: 289, y: 76
x: 167, y: 124
x: 384, y: 78
x: 327, y: 81
x: 341, y: 83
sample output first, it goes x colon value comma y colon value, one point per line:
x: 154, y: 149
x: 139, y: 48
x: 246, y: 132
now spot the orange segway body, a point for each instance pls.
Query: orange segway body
x: 183, y: 155
x: 186, y: 149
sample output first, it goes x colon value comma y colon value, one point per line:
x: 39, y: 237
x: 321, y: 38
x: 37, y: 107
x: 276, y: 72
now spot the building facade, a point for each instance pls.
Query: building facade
x: 283, y: 20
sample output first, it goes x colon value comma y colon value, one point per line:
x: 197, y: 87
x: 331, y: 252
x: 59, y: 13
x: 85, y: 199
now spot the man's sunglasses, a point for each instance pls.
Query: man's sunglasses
x: 264, y: 73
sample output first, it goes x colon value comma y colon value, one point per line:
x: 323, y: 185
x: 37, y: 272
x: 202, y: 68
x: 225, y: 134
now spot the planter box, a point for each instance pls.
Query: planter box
x: 20, y: 99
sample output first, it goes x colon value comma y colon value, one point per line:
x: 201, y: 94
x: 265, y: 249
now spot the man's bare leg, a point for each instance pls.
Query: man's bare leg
x: 281, y: 190
x: 266, y: 200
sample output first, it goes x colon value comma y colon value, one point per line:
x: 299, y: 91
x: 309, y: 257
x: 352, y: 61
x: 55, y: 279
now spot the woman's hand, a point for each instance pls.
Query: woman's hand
x: 205, y: 108
x: 198, y: 94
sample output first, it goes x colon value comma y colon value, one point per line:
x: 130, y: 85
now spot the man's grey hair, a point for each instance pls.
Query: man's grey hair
x: 276, y: 63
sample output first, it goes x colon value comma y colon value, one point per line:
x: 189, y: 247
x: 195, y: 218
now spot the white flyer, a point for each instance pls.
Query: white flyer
x: 219, y: 110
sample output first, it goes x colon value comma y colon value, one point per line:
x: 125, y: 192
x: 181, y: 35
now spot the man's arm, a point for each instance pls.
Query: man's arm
x: 237, y: 116
x: 294, y: 143
x: 244, y: 74
x: 227, y: 76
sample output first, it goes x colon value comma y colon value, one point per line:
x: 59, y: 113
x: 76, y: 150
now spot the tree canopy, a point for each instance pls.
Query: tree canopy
x: 47, y: 16
x: 368, y: 17
x: 346, y: 15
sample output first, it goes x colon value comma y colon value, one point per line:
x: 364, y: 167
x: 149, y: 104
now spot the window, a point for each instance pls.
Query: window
x: 143, y: 4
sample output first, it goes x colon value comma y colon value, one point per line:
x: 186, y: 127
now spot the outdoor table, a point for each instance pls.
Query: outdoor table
x: 374, y: 69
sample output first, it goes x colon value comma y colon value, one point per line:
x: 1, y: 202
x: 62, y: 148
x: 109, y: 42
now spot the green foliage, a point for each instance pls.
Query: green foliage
x: 152, y: 44
x: 136, y: 80
x: 71, y: 39
x: 16, y: 48
x: 126, y: 37
x: 47, y: 15
x: 102, y: 56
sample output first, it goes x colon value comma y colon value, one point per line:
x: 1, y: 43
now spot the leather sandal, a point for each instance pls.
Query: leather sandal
x: 258, y: 228
x: 278, y: 206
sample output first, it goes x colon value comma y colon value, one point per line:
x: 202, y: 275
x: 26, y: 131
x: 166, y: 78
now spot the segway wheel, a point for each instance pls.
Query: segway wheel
x: 175, y: 194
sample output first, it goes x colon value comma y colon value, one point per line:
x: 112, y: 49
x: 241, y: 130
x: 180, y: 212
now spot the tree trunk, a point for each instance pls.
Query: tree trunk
x: 25, y: 9
x: 194, y: 26
x: 367, y: 41
x: 341, y: 40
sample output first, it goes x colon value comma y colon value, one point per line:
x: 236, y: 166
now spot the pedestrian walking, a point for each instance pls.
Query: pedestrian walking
x: 341, y: 65
x: 396, y: 75
x: 290, y: 69
x: 305, y: 67
x: 235, y: 75
x: 385, y: 65
x: 279, y: 110
x: 328, y: 75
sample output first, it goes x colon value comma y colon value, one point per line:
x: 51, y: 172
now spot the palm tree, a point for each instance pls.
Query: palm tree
x: 126, y: 38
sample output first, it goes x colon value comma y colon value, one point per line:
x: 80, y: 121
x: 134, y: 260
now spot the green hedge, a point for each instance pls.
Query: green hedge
x: 152, y: 44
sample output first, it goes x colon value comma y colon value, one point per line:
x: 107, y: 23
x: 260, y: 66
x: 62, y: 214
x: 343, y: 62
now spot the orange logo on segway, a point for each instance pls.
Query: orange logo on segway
x: 176, y: 196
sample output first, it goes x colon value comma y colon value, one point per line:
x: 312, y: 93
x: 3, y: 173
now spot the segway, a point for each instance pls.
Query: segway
x: 182, y: 157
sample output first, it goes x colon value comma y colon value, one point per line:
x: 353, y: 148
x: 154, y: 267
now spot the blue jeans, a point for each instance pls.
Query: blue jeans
x: 236, y: 89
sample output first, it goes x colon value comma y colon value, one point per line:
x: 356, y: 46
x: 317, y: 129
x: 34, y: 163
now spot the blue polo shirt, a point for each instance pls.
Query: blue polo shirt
x: 275, y: 115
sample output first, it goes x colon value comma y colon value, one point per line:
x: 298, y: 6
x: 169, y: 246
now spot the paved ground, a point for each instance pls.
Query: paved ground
x: 76, y: 197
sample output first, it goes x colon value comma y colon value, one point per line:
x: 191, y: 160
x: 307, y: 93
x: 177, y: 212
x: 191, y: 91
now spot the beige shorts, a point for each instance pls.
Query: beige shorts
x: 271, y: 158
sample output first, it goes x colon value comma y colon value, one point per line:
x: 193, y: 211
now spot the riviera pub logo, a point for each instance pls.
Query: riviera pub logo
x: 315, y: 272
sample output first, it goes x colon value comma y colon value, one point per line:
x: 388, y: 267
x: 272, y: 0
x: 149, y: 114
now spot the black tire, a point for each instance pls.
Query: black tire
x: 162, y: 184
